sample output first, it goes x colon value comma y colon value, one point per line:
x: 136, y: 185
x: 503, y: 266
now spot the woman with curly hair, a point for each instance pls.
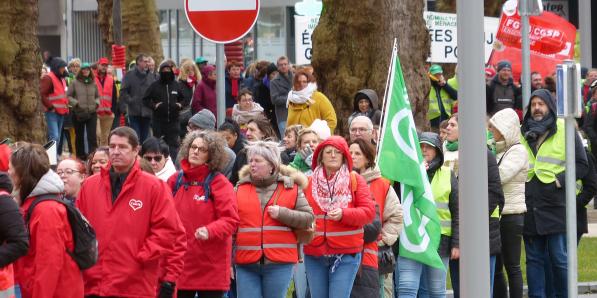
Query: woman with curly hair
x: 206, y: 205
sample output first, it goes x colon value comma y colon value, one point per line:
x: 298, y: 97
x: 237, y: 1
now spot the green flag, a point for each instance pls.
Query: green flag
x: 400, y: 159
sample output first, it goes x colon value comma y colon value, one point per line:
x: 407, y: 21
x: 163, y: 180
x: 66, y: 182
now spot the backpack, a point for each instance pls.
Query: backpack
x: 206, y: 183
x: 85, y: 252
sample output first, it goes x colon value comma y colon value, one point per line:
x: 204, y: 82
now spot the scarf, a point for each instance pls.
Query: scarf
x: 234, y: 87
x: 264, y: 182
x: 243, y: 117
x: 302, y: 96
x: 266, y: 81
x: 191, y: 81
x: 452, y: 146
x: 533, y: 129
x: 331, y: 194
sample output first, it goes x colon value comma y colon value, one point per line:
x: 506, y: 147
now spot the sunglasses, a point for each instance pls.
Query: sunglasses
x: 157, y: 158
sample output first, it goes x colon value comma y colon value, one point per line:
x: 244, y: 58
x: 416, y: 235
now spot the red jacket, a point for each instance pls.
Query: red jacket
x: 133, y: 233
x: 206, y: 262
x: 47, y: 270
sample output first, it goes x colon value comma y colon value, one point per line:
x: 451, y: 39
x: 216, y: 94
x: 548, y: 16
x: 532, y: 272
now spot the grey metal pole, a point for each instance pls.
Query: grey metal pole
x: 584, y: 14
x: 220, y: 84
x: 526, y: 55
x: 571, y: 187
x: 474, y: 216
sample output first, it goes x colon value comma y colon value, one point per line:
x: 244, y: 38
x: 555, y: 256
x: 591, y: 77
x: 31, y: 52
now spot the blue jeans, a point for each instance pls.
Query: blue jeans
x: 267, y: 281
x: 455, y: 275
x: 55, y: 123
x: 415, y: 276
x: 141, y: 127
x: 538, y: 248
x: 300, y: 280
x: 282, y: 127
x: 333, y: 276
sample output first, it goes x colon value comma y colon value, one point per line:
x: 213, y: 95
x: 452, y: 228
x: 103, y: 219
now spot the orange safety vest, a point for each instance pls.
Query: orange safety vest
x: 258, y: 233
x: 379, y: 188
x: 332, y: 233
x: 58, y: 97
x: 105, y: 95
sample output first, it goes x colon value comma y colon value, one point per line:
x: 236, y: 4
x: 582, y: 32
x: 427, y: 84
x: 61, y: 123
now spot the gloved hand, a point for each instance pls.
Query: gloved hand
x: 305, y: 153
x: 167, y: 290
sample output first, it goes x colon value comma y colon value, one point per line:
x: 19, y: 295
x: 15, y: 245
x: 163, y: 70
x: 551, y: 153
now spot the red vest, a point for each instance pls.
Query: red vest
x: 333, y: 233
x: 258, y: 233
x: 58, y: 97
x: 379, y: 188
x: 105, y: 96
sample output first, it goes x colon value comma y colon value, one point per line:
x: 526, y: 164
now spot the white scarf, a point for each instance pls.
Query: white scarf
x: 302, y: 96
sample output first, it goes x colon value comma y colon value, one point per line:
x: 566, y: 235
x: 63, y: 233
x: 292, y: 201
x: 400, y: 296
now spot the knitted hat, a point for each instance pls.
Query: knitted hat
x: 321, y: 128
x: 504, y: 64
x: 435, y: 69
x: 271, y: 68
x: 204, y: 119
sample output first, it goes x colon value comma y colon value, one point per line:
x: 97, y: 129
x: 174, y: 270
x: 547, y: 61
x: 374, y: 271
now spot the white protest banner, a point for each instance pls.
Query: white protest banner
x: 303, y: 28
x: 442, y: 30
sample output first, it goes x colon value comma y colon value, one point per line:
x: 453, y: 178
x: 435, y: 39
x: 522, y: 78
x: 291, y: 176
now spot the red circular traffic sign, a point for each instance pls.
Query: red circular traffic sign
x: 222, y: 21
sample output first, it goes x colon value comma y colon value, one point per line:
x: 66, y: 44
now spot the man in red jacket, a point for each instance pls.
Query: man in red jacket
x: 135, y: 222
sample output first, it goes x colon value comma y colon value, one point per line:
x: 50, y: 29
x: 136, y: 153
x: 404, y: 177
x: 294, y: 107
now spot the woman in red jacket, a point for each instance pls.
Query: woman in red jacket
x: 342, y: 205
x: 47, y: 270
x: 206, y: 204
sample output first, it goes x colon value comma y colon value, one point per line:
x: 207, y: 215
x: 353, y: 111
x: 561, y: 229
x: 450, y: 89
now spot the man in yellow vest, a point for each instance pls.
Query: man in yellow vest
x: 441, y: 97
x: 545, y: 221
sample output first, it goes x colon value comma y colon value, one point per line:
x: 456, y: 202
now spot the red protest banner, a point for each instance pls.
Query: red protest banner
x: 551, y: 41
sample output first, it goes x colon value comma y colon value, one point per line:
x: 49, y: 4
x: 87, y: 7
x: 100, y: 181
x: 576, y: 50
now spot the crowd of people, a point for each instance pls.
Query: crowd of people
x: 271, y: 201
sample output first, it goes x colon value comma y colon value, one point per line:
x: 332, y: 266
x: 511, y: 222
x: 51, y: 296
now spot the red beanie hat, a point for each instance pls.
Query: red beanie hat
x: 337, y: 142
x: 4, y: 157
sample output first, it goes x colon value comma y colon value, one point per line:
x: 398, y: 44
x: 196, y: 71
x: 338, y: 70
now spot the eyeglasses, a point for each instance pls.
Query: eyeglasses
x: 157, y: 158
x: 66, y: 172
x: 201, y: 149
x: 359, y: 130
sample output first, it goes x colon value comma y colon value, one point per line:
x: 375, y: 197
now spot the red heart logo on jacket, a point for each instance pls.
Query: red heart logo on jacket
x: 135, y: 204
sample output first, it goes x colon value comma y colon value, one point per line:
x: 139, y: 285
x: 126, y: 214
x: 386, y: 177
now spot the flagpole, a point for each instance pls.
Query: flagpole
x: 385, y: 106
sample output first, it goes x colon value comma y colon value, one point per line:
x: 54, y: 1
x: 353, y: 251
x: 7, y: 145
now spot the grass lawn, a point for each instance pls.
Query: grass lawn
x: 587, y: 258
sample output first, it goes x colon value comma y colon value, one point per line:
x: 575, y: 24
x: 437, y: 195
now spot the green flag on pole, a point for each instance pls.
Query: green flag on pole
x: 400, y: 159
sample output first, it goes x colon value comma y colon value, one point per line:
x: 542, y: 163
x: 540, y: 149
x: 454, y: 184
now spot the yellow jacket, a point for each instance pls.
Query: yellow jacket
x: 305, y: 114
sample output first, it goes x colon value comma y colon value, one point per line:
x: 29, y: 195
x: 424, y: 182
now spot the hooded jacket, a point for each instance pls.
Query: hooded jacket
x: 45, y: 84
x: 205, y: 93
x: 513, y: 161
x: 165, y: 99
x: 371, y: 95
x: 134, y: 85
x: 48, y: 270
x: 207, y: 262
x: 134, y: 231
x: 14, y: 239
x: 546, y: 203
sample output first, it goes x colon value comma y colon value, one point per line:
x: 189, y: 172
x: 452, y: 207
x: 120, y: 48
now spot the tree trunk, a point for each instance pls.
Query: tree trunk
x: 20, y: 64
x: 352, y: 47
x: 140, y: 28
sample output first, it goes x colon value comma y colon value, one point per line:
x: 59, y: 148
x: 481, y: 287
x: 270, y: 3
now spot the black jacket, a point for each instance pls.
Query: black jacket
x: 495, y: 198
x: 14, y: 238
x: 492, y: 103
x: 231, y: 100
x: 589, y: 190
x: 168, y: 94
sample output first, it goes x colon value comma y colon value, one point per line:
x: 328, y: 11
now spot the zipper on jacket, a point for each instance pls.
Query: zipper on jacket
x: 168, y: 106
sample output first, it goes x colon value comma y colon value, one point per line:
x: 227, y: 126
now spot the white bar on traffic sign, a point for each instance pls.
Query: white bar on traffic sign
x: 222, y: 5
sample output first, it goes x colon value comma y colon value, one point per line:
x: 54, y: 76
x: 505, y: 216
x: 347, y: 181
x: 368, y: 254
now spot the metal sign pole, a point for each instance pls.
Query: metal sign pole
x: 474, y: 219
x: 220, y: 84
x: 526, y: 55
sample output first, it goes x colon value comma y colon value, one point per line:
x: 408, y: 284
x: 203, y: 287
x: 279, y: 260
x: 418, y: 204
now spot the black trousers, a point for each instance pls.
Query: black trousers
x: 85, y: 124
x: 168, y: 131
x: 511, y: 235
x: 201, y: 294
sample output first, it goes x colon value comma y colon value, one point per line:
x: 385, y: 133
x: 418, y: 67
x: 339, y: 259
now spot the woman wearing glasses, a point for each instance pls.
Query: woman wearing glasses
x: 206, y: 205
x: 156, y: 152
x: 72, y: 173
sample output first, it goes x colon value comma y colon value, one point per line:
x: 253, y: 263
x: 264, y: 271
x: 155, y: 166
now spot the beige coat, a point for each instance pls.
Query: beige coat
x: 513, y: 161
x: 391, y: 224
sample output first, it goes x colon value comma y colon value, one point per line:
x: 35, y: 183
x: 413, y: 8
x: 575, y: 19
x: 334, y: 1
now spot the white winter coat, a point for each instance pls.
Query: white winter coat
x: 513, y: 161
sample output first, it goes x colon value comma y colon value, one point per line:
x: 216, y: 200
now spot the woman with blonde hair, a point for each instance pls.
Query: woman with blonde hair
x: 188, y: 79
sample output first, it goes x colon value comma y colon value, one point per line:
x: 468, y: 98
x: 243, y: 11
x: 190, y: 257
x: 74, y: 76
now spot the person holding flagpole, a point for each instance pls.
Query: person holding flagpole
x: 342, y: 205
x: 417, y: 277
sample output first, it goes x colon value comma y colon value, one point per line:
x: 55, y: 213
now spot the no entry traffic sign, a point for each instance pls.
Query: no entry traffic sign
x: 222, y: 21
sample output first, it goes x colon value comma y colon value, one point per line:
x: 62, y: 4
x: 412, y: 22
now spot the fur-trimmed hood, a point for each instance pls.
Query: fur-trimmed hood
x: 288, y: 175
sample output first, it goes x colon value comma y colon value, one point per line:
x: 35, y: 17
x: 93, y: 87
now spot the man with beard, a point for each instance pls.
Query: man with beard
x: 165, y: 98
x: 545, y: 221
x: 536, y: 81
x: 108, y: 101
x: 52, y: 88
